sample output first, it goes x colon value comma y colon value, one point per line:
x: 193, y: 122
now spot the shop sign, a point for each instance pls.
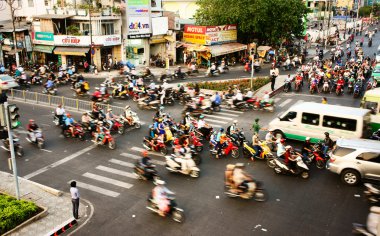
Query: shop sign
x: 107, y: 40
x: 195, y: 38
x: 160, y: 25
x: 139, y: 26
x: 192, y: 29
x: 68, y: 40
x: 210, y: 35
x: 46, y: 38
x: 138, y: 19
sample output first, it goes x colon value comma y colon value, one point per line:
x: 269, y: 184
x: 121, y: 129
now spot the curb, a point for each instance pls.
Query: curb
x: 48, y: 189
x: 63, y: 227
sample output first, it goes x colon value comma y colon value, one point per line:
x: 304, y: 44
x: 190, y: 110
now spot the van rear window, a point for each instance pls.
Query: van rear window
x: 339, y: 123
x: 341, y: 151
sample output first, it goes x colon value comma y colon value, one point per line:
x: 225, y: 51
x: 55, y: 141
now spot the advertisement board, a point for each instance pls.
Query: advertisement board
x: 160, y: 25
x: 210, y: 35
x: 45, y: 38
x: 138, y: 19
x: 195, y: 38
x: 84, y: 41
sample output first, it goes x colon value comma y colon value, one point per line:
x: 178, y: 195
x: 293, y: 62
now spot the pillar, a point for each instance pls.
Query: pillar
x: 97, y: 58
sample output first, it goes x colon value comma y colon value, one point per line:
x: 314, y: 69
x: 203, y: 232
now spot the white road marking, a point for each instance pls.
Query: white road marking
x: 299, y: 101
x: 226, y: 113
x: 60, y: 162
x: 143, y: 149
x: 215, y: 125
x: 237, y: 112
x: 117, y: 172
x: 108, y: 180
x: 45, y: 150
x: 122, y: 163
x: 285, y: 102
x: 219, y: 117
x: 157, y: 162
x: 97, y: 189
x: 216, y: 121
x: 120, y: 103
x: 276, y: 100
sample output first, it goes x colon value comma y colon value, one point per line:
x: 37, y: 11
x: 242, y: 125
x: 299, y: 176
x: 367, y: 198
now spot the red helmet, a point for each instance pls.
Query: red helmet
x: 144, y: 153
x: 282, y: 140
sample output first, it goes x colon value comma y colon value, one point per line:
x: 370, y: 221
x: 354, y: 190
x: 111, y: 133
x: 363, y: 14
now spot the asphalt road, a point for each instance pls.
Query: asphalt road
x: 320, y: 205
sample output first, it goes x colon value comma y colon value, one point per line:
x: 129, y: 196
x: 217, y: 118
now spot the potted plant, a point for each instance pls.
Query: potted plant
x: 116, y: 11
x: 106, y: 11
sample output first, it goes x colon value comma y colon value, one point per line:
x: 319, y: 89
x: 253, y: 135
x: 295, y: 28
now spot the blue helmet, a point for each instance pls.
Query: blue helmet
x: 221, y: 129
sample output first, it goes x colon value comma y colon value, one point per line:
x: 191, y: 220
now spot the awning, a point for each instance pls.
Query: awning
x: 169, y: 38
x: 43, y: 48
x: 52, y: 16
x: 72, y: 51
x: 157, y: 40
x: 223, y: 49
x: 8, y: 50
x: 263, y: 48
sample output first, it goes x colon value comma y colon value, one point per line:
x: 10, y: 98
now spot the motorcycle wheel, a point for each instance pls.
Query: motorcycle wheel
x: 194, y: 174
x: 137, y: 125
x: 66, y: 133
x: 164, y: 151
x: 81, y: 137
x: 277, y: 170
x: 305, y: 175
x: 121, y: 129
x: 235, y: 153
x: 270, y: 163
x: 320, y: 164
x: 112, y: 145
x: 178, y: 216
x: 260, y: 195
x: 40, y: 144
x: 197, y: 160
x: 199, y: 148
x: 19, y: 151
x: 217, y: 108
x: 140, y: 106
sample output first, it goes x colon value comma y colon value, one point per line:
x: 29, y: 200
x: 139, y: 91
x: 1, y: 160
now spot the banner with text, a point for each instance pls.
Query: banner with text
x: 138, y: 19
x: 210, y: 35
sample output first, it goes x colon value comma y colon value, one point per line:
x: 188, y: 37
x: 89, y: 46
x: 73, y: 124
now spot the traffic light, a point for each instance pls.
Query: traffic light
x: 14, y: 116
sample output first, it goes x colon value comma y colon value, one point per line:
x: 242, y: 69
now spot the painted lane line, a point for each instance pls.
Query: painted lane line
x: 219, y: 117
x: 226, y: 113
x: 122, y: 163
x: 216, y: 121
x: 107, y: 180
x: 60, y: 162
x: 45, y: 150
x: 215, y: 125
x: 143, y: 149
x: 97, y: 189
x: 285, y: 102
x: 237, y: 112
x: 117, y: 172
x: 129, y: 155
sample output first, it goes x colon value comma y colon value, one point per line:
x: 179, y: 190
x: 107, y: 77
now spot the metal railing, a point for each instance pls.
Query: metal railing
x: 53, y: 101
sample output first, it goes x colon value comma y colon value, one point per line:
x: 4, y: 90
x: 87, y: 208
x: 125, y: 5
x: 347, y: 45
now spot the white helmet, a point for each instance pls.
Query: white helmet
x: 288, y: 147
x: 160, y: 182
x: 235, y: 121
x: 307, y: 138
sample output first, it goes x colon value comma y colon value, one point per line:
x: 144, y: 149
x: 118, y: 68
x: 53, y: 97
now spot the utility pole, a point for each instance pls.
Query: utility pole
x: 328, y: 22
x: 12, y: 8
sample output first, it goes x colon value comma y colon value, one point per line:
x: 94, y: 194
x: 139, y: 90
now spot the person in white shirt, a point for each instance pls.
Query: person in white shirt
x: 74, y: 198
x: 238, y: 97
x: 59, y: 112
x: 203, y: 127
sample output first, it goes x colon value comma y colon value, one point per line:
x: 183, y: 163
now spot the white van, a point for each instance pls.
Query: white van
x: 312, y: 120
x: 378, y: 54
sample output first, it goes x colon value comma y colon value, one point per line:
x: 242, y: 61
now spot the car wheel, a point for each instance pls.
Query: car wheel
x: 278, y: 134
x: 350, y: 177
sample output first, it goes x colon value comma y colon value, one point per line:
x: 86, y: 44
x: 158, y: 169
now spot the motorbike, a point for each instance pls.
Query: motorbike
x: 116, y: 126
x: 282, y: 168
x: 297, y: 86
x: 350, y: 88
x: 78, y: 132
x: 258, y: 195
x: 229, y: 148
x: 267, y: 106
x: 106, y: 98
x: 238, y: 138
x: 123, y: 95
x: 357, y: 91
x: 106, y: 139
x: 176, y: 213
x: 339, y: 89
x: 326, y: 87
x: 213, y: 73
x: 50, y: 91
x: 19, y: 151
x: 240, y: 105
x: 265, y: 153
x: 169, y: 100
x: 317, y: 156
x: 375, y: 135
x: 147, y: 173
x: 371, y: 229
x: 287, y: 86
x: 39, y: 139
x: 158, y: 147
x: 174, y: 165
x: 135, y: 120
x: 147, y: 103
x: 180, y: 75
x: 313, y: 88
x: 372, y: 193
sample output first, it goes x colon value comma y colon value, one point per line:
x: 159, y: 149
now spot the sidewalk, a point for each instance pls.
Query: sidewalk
x: 58, y: 204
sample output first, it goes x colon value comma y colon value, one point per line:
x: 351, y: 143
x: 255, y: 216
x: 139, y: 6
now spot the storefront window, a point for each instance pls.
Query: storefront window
x: 107, y: 28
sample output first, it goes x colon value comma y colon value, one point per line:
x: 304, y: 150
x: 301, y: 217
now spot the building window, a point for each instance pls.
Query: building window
x: 86, y: 28
x: 339, y: 123
x: 310, y: 119
x: 107, y: 29
x: 30, y: 3
x: 46, y: 2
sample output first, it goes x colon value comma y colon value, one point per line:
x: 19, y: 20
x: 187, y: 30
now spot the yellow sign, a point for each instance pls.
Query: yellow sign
x: 195, y: 38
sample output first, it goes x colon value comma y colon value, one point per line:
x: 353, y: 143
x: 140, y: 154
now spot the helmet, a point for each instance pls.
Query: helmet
x: 201, y: 117
x: 282, y: 140
x: 187, y: 113
x: 144, y: 153
x: 288, y: 147
x: 235, y: 121
x: 102, y: 85
x: 201, y: 95
x: 68, y: 114
x: 127, y: 107
x: 240, y: 165
x: 307, y: 139
x: 271, y: 130
x: 327, y: 133
x: 31, y: 120
x: 100, y: 122
x: 230, y: 167
x: 109, y: 109
x: 221, y: 129
x: 160, y: 120
x: 160, y: 182
x: 96, y: 88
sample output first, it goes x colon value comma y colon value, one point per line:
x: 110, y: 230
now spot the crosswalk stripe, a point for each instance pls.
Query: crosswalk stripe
x: 225, y: 113
x: 299, y: 101
x: 97, y: 189
x: 276, y: 100
x: 143, y: 149
x: 219, y: 117
x: 117, y: 172
x: 215, y: 125
x: 157, y: 162
x: 285, y: 102
x: 108, y: 180
x: 122, y: 163
x: 130, y: 156
x: 237, y: 112
x: 216, y: 121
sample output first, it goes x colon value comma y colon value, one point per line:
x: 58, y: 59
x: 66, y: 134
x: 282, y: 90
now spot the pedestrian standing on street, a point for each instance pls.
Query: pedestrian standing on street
x: 256, y: 127
x: 74, y: 198
x: 273, y: 75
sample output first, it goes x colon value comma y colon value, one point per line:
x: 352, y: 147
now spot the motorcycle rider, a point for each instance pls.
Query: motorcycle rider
x: 327, y: 143
x: 281, y: 148
x: 203, y: 127
x: 32, y: 127
x: 288, y: 82
x: 159, y: 194
x: 110, y: 117
x: 49, y: 84
x: 69, y: 124
x: 306, y: 148
x: 99, y: 131
x: 86, y: 120
x: 59, y: 112
x: 256, y: 145
x: 212, y: 68
x: 238, y: 97
x: 145, y: 162
x: 216, y: 100
x: 187, y: 119
x: 147, y: 72
x: 128, y: 115
x: 233, y: 129
x: 97, y: 95
x: 228, y: 178
x: 241, y: 178
x: 270, y: 140
x: 289, y: 158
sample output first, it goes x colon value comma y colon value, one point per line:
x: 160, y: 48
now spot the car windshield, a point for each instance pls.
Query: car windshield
x: 377, y: 69
x: 6, y: 78
x: 341, y: 151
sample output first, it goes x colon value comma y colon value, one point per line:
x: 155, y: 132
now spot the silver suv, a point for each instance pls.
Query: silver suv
x: 354, y: 159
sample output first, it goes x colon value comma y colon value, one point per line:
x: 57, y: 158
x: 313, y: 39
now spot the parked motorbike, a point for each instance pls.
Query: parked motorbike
x: 174, y: 165
x: 38, y: 139
x: 158, y: 147
x: 176, y: 213
x: 301, y: 168
x: 258, y: 195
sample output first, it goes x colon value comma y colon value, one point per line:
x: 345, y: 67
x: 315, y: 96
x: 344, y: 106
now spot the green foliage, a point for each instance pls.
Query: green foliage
x: 365, y: 11
x: 14, y: 212
x: 270, y: 21
x: 116, y: 10
x: 73, y: 30
x: 224, y: 85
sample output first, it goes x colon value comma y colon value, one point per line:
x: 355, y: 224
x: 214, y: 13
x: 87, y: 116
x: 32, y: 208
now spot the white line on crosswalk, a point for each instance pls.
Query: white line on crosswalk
x: 219, y: 117
x: 215, y: 125
x: 226, y: 113
x: 129, y: 155
x: 122, y: 163
x: 299, y: 101
x: 142, y: 149
x: 117, y: 172
x: 276, y: 100
x: 237, y: 112
x: 108, y: 180
x: 97, y: 189
x: 216, y: 121
x: 285, y: 102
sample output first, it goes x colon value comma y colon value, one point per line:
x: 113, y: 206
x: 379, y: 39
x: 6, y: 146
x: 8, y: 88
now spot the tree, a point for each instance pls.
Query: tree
x: 269, y: 21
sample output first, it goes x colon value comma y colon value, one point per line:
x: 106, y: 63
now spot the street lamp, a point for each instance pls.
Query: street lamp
x: 91, y: 42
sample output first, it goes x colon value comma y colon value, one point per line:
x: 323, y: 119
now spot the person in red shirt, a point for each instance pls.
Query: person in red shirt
x: 97, y: 94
